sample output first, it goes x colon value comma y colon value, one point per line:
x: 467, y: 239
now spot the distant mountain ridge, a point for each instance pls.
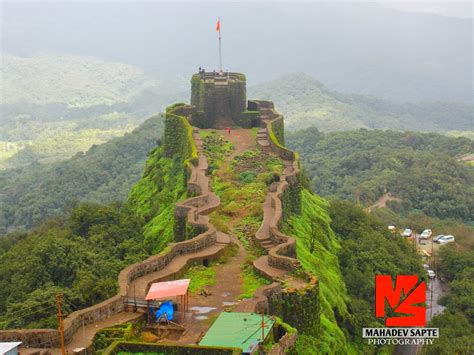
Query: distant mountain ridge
x: 307, y: 102
x: 54, y: 106
x: 70, y: 79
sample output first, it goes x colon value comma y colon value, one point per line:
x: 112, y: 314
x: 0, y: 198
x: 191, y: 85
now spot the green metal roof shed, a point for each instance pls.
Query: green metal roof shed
x: 239, y: 330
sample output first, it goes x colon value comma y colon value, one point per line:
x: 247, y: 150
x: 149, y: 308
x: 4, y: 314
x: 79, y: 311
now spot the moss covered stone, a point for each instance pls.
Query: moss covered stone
x: 278, y: 128
x: 250, y: 119
x: 299, y: 308
x: 219, y: 100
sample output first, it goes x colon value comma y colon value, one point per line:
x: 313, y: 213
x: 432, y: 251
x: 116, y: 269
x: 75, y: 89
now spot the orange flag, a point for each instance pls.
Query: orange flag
x: 218, y: 26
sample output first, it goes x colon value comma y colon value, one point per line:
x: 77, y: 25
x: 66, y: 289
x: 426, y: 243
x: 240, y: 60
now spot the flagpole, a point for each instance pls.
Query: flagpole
x: 220, y: 47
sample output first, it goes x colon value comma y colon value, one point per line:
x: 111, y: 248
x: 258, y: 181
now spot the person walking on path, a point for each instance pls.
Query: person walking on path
x: 228, y: 130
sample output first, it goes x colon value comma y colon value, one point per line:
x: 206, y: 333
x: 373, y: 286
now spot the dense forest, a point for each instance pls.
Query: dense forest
x: 306, y: 102
x: 103, y: 174
x: 79, y: 255
x: 421, y: 170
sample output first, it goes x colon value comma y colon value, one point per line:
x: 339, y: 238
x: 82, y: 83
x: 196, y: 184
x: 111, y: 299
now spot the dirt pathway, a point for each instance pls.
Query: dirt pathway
x: 382, y: 201
x: 228, y: 287
x: 223, y: 294
x: 242, y: 139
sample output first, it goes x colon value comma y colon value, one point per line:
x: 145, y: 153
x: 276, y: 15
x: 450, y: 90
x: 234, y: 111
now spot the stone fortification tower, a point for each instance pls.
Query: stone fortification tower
x: 219, y: 99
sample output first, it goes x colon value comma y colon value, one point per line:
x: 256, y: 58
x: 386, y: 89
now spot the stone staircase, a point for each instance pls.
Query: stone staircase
x: 280, y: 259
x: 262, y: 140
x: 263, y: 233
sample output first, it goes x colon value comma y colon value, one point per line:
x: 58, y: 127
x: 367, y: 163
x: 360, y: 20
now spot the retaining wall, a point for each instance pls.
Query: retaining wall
x: 283, y: 254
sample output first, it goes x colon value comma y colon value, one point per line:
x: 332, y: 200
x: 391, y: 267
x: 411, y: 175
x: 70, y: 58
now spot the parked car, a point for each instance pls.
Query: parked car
x: 435, y: 239
x: 407, y: 232
x: 392, y: 228
x: 446, y: 239
x: 426, y: 234
x: 431, y: 274
x: 426, y: 266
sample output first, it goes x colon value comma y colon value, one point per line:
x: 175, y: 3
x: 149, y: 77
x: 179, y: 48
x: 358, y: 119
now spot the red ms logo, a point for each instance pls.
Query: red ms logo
x: 402, y: 299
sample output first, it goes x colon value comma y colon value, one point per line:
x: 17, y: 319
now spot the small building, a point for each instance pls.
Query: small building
x: 9, y: 348
x: 239, y: 330
x: 165, y: 290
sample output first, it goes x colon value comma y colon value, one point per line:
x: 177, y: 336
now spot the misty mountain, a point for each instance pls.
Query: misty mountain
x: 54, y: 106
x: 364, y: 48
x: 307, y: 102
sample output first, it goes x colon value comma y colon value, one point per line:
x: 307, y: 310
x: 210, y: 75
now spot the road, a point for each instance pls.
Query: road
x: 432, y: 308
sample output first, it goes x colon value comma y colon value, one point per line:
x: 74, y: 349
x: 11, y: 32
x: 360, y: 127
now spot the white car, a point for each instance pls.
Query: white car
x: 392, y: 228
x: 407, y: 232
x: 446, y: 239
x: 426, y: 266
x: 426, y: 234
x: 431, y: 274
x: 435, y: 239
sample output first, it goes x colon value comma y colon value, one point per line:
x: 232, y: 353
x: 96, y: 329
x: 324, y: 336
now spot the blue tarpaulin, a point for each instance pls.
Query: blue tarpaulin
x: 166, y: 309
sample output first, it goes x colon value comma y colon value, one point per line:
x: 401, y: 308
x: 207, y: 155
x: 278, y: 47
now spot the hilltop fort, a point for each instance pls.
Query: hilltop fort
x: 240, y: 188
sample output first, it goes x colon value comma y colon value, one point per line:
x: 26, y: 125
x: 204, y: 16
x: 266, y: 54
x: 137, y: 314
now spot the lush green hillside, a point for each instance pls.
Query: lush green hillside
x: 345, y: 248
x: 104, y: 174
x: 363, y: 165
x: 55, y: 106
x: 306, y: 102
x: 319, y: 256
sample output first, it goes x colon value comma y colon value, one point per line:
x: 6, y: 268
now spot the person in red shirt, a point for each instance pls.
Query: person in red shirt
x: 228, y: 130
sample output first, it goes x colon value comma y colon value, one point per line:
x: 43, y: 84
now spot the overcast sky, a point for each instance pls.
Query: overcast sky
x: 352, y: 46
x: 444, y: 7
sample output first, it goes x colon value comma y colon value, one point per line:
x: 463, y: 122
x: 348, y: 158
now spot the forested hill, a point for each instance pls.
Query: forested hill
x: 306, y: 102
x: 104, y: 174
x: 421, y: 169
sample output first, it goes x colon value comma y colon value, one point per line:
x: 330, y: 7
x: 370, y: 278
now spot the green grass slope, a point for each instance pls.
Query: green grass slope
x: 306, y: 102
x: 322, y: 262
x: 154, y: 195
